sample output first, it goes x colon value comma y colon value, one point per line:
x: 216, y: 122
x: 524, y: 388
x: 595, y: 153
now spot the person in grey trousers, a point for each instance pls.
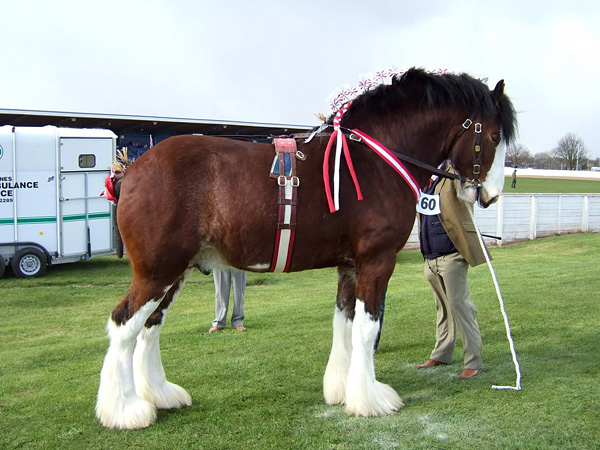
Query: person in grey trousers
x: 223, y: 280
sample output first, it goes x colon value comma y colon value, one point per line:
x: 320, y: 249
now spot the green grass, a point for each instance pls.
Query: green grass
x: 262, y: 389
x: 550, y: 185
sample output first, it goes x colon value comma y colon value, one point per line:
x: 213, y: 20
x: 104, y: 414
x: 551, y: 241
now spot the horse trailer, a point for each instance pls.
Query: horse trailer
x: 51, y: 208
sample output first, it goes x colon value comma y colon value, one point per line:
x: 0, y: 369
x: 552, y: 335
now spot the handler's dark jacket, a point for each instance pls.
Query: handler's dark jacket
x: 456, y: 222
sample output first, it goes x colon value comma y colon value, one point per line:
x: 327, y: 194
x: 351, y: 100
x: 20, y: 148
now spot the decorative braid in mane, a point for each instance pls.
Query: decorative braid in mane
x: 437, y: 89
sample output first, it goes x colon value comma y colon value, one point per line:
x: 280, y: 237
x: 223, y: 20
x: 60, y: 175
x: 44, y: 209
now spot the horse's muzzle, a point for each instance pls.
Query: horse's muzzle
x: 487, y: 197
x: 485, y: 203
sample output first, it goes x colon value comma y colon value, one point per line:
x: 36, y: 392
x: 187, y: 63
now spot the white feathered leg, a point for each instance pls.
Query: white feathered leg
x: 150, y: 381
x: 365, y: 396
x: 336, y: 373
x: 118, y: 406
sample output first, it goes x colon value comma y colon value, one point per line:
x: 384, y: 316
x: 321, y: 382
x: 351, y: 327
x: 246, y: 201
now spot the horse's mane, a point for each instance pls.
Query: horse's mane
x: 417, y: 87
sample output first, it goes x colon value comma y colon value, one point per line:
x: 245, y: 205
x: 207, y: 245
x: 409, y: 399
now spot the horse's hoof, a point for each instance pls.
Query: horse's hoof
x: 131, y: 413
x: 380, y: 401
x: 168, y: 396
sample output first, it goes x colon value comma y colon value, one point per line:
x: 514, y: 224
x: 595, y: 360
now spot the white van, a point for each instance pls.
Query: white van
x: 51, y: 211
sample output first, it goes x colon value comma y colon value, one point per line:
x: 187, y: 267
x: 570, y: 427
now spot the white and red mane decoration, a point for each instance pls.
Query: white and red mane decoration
x: 341, y: 96
x: 341, y: 102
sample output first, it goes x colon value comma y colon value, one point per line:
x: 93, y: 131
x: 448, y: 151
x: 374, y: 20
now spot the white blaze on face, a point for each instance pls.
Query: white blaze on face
x: 494, y: 181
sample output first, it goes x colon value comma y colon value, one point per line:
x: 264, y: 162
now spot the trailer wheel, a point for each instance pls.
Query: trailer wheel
x: 2, y: 266
x: 29, y: 262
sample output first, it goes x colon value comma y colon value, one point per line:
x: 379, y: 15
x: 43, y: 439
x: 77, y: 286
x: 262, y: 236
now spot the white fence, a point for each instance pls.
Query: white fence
x: 517, y: 217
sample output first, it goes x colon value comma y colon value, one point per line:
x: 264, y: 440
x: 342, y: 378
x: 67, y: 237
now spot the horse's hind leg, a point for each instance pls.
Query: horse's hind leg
x: 150, y: 381
x: 118, y: 405
x: 336, y: 373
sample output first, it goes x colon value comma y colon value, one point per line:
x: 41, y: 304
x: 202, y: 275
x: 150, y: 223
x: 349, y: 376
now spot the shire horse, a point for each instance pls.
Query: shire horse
x: 207, y: 202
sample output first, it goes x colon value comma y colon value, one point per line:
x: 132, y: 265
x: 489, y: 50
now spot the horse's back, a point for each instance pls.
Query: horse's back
x: 191, y: 192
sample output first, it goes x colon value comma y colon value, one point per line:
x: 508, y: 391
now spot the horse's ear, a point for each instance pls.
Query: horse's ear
x: 498, y: 92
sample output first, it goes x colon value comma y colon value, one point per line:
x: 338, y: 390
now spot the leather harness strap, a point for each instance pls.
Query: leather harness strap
x: 287, y: 203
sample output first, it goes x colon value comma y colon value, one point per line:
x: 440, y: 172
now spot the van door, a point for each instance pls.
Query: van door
x: 86, y: 220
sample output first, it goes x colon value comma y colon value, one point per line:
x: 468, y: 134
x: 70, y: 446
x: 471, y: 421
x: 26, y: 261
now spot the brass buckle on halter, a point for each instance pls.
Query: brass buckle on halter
x: 478, y: 127
x: 476, y: 169
x: 467, y: 123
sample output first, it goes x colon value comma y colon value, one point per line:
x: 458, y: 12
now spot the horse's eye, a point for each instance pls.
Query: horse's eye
x: 496, y: 138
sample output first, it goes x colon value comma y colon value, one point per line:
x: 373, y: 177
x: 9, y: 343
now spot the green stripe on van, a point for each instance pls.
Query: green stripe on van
x: 50, y: 219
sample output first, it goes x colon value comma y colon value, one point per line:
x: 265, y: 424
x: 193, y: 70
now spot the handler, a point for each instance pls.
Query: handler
x: 449, y: 245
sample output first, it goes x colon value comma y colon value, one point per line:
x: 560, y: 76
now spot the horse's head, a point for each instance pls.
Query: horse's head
x: 478, y: 152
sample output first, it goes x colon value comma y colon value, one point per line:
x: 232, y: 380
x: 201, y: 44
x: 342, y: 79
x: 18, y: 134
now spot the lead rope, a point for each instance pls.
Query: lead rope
x: 517, y: 387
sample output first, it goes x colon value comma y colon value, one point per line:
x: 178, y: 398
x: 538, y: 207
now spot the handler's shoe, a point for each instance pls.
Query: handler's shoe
x: 469, y: 373
x: 431, y: 363
x: 214, y: 329
x: 240, y: 328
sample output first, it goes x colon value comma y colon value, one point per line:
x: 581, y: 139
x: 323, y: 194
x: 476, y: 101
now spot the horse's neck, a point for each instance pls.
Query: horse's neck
x: 427, y: 141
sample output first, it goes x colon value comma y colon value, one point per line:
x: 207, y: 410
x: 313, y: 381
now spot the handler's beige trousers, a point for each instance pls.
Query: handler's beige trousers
x: 447, y: 276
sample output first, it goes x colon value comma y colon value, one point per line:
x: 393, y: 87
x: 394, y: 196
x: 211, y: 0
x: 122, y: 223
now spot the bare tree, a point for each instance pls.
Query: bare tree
x: 571, y: 150
x: 518, y: 154
x: 546, y: 160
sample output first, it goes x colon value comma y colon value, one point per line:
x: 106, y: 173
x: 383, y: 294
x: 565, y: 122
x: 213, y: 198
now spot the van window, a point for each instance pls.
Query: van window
x: 87, y: 161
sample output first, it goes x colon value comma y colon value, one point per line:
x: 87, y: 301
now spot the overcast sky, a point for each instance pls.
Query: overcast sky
x: 279, y: 61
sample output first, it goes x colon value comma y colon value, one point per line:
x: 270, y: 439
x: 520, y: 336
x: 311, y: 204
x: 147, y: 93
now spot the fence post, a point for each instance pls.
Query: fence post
x: 558, y: 225
x: 585, y: 214
x: 499, y: 218
x: 532, y: 218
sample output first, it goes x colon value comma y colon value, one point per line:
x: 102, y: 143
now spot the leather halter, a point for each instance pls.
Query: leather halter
x: 477, y: 149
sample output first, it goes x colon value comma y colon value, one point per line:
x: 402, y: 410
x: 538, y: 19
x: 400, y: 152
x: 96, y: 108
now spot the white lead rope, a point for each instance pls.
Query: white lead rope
x: 517, y: 387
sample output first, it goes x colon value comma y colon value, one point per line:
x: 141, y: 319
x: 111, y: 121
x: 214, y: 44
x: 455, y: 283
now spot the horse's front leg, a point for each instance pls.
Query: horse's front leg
x: 365, y: 396
x: 150, y: 381
x: 336, y: 373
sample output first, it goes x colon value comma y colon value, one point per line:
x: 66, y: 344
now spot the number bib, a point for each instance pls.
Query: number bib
x: 429, y: 204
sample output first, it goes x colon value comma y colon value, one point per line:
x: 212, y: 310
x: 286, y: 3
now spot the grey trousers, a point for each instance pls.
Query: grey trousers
x: 447, y: 276
x: 223, y: 283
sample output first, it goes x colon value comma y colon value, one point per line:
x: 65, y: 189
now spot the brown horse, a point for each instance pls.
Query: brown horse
x: 207, y: 202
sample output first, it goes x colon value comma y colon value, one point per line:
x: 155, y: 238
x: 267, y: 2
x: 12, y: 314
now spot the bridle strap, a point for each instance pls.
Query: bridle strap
x: 477, y: 150
x: 437, y: 171
x: 442, y: 173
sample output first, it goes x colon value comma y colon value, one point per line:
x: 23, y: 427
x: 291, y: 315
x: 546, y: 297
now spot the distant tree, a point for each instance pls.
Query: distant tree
x: 518, y: 154
x: 571, y: 151
x: 545, y: 160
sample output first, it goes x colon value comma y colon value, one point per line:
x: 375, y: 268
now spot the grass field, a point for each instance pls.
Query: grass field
x: 262, y: 389
x: 551, y: 185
